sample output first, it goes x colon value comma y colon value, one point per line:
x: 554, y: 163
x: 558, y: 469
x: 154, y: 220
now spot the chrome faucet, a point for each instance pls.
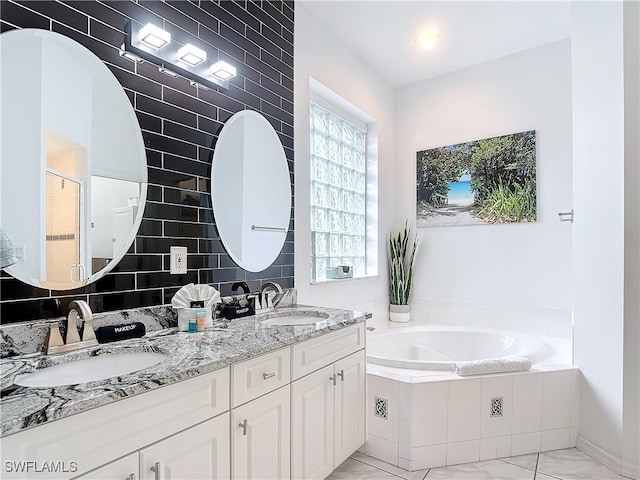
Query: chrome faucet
x: 265, y: 290
x: 78, y: 310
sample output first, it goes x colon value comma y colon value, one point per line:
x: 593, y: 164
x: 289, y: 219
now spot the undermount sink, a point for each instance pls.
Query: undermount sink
x: 90, y: 369
x: 295, y: 318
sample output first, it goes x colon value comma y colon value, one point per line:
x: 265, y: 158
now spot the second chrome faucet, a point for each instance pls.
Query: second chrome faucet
x: 267, y: 290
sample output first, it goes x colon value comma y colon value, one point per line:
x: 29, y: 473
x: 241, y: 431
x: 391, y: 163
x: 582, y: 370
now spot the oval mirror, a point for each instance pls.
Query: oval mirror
x: 250, y: 190
x: 72, y: 162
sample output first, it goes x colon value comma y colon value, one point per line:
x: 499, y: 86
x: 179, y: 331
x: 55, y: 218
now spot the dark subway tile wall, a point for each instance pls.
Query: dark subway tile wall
x: 180, y: 125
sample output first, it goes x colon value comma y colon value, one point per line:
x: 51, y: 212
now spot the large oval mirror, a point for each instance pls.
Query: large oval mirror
x: 72, y: 162
x: 251, y: 190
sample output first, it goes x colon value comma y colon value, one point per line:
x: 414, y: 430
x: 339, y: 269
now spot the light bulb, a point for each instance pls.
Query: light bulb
x: 427, y: 40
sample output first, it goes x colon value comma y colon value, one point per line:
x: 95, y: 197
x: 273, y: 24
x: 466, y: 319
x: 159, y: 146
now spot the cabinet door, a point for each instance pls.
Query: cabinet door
x: 349, y: 406
x: 312, y: 425
x: 200, y: 452
x: 260, y: 435
x: 124, y: 469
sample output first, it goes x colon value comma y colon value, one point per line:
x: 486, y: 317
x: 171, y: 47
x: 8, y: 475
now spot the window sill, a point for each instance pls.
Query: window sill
x: 340, y: 280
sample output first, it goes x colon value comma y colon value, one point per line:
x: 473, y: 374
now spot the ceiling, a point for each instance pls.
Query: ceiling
x: 383, y: 33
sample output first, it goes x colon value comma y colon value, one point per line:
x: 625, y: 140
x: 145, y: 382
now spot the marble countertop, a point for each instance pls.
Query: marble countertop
x: 189, y: 355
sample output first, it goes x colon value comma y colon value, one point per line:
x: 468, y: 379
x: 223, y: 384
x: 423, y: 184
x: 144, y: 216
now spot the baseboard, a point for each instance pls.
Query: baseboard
x: 604, y: 457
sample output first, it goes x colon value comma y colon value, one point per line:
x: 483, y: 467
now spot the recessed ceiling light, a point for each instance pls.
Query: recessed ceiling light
x: 427, y: 40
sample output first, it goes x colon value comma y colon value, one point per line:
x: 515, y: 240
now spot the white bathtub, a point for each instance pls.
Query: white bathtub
x: 439, y: 347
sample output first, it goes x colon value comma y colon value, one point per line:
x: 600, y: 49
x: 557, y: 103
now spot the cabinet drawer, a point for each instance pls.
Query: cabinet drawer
x: 257, y: 376
x: 318, y: 352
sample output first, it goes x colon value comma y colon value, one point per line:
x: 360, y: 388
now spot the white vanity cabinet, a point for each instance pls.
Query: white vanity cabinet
x: 350, y: 410
x: 328, y: 405
x: 199, y: 452
x: 292, y: 413
x: 260, y: 417
x: 126, y: 468
x: 260, y: 435
x: 97, y: 438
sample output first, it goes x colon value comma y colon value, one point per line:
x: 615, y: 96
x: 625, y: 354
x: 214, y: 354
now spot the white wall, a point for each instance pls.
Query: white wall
x: 21, y: 139
x: 321, y: 56
x: 631, y: 365
x: 605, y: 142
x: 513, y: 275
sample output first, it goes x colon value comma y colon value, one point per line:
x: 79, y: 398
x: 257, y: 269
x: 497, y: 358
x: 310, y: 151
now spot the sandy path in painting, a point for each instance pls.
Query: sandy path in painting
x: 453, y: 214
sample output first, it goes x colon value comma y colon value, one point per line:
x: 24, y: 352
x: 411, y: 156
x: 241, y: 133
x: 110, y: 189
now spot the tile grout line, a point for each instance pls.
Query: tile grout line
x: 377, y: 468
x: 505, y: 460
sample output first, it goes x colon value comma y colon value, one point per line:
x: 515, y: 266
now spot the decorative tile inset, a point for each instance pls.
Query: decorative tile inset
x: 496, y: 406
x: 381, y: 407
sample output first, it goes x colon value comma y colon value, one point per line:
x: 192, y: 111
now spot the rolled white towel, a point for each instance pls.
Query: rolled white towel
x: 497, y: 365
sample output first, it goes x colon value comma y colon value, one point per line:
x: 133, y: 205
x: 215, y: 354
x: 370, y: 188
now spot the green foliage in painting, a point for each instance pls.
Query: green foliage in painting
x: 502, y: 170
x: 505, y: 204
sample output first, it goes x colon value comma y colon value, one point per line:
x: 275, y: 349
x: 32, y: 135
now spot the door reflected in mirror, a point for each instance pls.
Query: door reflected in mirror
x: 63, y: 231
x: 73, y: 163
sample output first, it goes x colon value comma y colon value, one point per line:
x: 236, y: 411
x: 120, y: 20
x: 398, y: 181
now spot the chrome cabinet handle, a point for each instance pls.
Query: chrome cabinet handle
x: 132, y: 477
x: 243, y: 426
x: 341, y: 375
x: 265, y: 376
x: 333, y: 379
x: 156, y: 470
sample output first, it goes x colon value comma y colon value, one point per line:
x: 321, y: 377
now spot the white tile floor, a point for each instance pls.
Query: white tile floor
x: 569, y: 464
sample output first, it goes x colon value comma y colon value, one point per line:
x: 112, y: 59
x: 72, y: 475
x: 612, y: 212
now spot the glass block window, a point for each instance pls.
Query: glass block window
x: 338, y: 194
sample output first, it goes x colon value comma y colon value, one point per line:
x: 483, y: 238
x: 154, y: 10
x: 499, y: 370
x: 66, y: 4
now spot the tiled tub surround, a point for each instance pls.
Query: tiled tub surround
x: 190, y: 354
x: 420, y: 419
x: 180, y: 125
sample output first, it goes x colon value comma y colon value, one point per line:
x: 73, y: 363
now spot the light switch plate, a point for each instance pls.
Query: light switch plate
x: 178, y: 260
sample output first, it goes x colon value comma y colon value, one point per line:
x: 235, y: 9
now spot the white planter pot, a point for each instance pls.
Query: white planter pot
x: 399, y: 313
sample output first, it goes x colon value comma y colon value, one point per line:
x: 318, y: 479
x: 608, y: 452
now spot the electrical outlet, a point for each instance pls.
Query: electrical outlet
x: 18, y: 251
x: 178, y: 260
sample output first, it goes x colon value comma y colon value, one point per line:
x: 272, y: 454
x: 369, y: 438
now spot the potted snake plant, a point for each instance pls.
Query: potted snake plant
x: 402, y: 251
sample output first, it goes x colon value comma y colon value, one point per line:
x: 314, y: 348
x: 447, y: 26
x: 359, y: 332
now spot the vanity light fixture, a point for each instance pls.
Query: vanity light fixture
x: 223, y: 70
x: 154, y: 36
x: 198, y: 85
x: 129, y: 55
x: 168, y: 72
x: 192, y: 55
x: 173, y: 58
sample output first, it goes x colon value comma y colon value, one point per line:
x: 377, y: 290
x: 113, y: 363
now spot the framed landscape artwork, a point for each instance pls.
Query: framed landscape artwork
x: 486, y: 181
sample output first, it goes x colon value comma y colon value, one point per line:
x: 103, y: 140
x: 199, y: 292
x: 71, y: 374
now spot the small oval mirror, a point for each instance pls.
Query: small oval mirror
x: 250, y: 190
x: 73, y: 163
